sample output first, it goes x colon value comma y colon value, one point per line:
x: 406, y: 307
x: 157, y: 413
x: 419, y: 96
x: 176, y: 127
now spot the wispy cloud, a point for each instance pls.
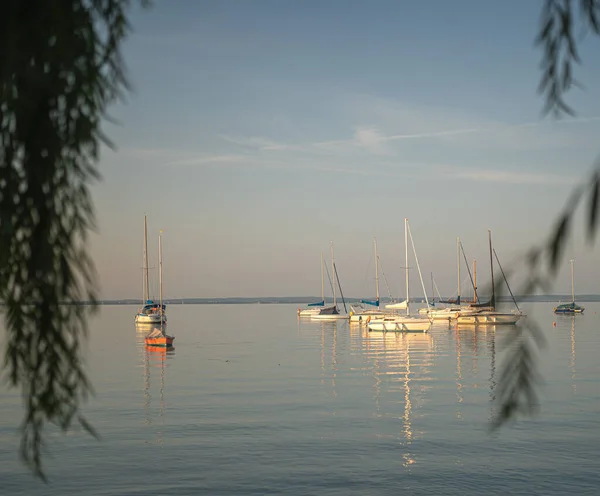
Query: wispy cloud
x: 406, y: 142
x: 388, y: 169
x: 505, y: 176
x: 373, y: 139
x: 210, y: 159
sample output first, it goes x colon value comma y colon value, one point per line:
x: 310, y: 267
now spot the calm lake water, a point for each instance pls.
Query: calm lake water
x: 254, y: 401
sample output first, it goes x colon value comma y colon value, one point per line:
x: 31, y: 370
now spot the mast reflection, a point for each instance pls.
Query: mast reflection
x: 329, y: 364
x: 566, y: 323
x: 155, y: 358
x: 401, y: 364
x: 573, y: 374
x: 475, y: 341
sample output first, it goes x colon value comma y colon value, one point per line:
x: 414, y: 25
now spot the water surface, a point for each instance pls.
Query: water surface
x: 254, y: 401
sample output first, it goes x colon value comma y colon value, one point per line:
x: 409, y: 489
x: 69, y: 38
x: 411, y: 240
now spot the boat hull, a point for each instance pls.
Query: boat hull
x: 362, y: 318
x: 567, y: 312
x: 400, y: 325
x: 149, y: 319
x: 307, y: 312
x: 334, y: 316
x: 489, y: 319
x: 161, y: 341
x: 443, y: 314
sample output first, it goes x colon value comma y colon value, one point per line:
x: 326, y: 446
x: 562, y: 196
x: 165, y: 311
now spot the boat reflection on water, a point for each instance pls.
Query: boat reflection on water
x: 473, y: 343
x: 401, y: 364
x: 564, y: 324
x: 329, y: 364
x: 155, y: 361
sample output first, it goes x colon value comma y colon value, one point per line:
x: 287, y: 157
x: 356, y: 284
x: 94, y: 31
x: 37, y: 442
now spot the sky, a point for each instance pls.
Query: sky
x: 259, y: 132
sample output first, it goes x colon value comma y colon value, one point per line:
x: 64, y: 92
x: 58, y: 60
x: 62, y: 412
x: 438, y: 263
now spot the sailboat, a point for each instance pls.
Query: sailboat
x: 332, y: 312
x: 457, y: 305
x: 570, y: 308
x: 395, y: 322
x: 358, y: 313
x: 317, y: 307
x: 478, y: 314
x: 158, y: 337
x: 150, y: 313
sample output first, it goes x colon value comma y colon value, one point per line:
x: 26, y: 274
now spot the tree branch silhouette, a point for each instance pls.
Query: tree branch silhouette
x: 60, y: 68
x: 516, y: 393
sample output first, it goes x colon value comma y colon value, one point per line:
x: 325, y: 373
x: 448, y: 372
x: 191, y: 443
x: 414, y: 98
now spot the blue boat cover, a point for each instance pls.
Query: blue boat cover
x: 372, y: 303
x: 317, y: 304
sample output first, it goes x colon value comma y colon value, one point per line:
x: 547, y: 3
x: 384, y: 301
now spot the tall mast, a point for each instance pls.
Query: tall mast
x: 322, y: 282
x: 572, y: 281
x: 474, y: 281
x: 406, y: 262
x: 458, y: 266
x: 376, y: 271
x: 160, y: 276
x: 146, y: 285
x: 492, y: 270
x: 333, y: 272
x: 432, y: 292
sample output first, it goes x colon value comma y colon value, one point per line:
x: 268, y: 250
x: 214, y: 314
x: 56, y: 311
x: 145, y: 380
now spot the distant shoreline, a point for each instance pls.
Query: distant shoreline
x: 304, y: 300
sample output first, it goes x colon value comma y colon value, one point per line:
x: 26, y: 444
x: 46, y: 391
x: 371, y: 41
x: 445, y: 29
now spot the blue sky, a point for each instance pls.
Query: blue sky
x: 258, y: 131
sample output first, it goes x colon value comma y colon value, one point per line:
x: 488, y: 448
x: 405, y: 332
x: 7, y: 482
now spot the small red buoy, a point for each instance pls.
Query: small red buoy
x: 554, y: 324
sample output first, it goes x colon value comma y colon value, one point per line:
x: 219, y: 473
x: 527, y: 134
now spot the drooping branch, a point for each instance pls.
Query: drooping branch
x: 60, y: 68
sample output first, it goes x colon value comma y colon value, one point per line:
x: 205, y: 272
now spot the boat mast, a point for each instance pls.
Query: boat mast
x: 160, y: 276
x: 146, y: 289
x: 376, y: 272
x: 412, y: 242
x: 572, y: 281
x: 432, y: 291
x: 474, y: 281
x: 333, y: 272
x: 322, y: 282
x: 493, y: 301
x: 406, y: 262
x: 458, y: 267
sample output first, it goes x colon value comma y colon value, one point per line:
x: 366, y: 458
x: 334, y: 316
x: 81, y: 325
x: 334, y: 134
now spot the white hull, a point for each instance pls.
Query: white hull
x: 400, y: 324
x: 338, y: 316
x: 150, y: 319
x: 447, y: 314
x: 362, y: 318
x: 489, y: 318
x: 307, y: 312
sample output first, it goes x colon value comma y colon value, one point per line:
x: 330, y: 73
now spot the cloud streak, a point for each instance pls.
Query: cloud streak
x: 390, y: 170
x: 373, y: 140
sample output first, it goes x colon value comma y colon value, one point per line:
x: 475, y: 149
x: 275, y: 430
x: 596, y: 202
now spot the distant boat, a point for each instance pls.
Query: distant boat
x: 150, y: 313
x: 359, y: 313
x: 403, y: 323
x: 158, y: 337
x: 486, y: 313
x: 570, y: 308
x: 319, y: 306
x: 332, y: 312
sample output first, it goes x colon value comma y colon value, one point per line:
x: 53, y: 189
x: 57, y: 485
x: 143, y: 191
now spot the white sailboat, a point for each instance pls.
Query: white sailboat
x: 452, y: 311
x: 158, y: 337
x: 358, y: 313
x: 150, y: 312
x: 317, y: 307
x: 406, y: 323
x: 488, y: 315
x: 332, y: 312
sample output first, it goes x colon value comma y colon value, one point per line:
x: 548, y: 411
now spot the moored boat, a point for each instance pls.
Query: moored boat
x: 570, y: 308
x: 158, y: 337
